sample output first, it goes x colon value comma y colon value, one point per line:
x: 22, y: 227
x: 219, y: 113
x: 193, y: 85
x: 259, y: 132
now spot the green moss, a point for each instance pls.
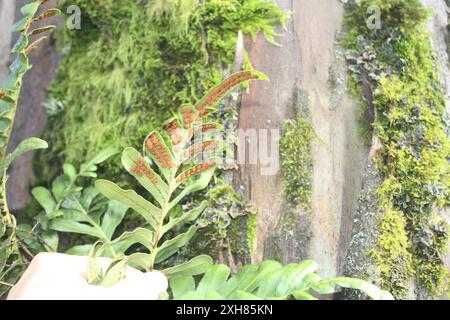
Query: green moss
x: 410, y: 126
x: 251, y: 233
x: 296, y: 162
x: 392, y: 254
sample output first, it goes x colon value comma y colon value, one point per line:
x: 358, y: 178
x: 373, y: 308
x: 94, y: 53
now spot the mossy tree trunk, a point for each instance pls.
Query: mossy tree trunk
x: 308, y: 79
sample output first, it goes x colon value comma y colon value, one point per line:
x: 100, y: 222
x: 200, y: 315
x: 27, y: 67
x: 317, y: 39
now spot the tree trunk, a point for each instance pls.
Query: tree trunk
x: 307, y: 71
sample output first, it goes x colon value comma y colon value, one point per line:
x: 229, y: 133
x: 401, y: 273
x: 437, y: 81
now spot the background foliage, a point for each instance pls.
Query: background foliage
x: 134, y: 62
x: 400, y: 65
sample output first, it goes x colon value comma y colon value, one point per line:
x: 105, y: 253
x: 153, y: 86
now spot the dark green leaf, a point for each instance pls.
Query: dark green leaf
x: 169, y: 247
x: 132, y: 159
x: 196, y: 266
x: 24, y: 147
x: 131, y: 199
x: 214, y: 279
x: 30, y: 9
x: 45, y: 199
x: 113, y: 217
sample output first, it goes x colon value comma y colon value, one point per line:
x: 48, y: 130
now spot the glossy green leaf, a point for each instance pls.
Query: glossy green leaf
x: 327, y: 286
x: 113, y: 217
x: 45, y: 199
x: 139, y: 260
x: 240, y: 281
x: 20, y: 25
x: 129, y: 238
x: 166, y: 172
x: 24, y: 147
x: 265, y: 269
x: 21, y: 43
x: 75, y: 222
x: 41, y: 30
x: 59, y: 187
x: 20, y: 65
x: 191, y: 296
x: 99, y: 158
x: 190, y: 216
x: 51, y: 240
x: 30, y: 9
x: 293, y: 276
x: 70, y: 171
x: 130, y: 198
x: 242, y: 295
x: 181, y: 285
x: 268, y: 287
x: 114, y: 274
x: 196, y: 266
x: 81, y: 250
x: 169, y: 247
x: 214, y: 279
x: 303, y: 295
x: 87, y: 197
x: 159, y: 190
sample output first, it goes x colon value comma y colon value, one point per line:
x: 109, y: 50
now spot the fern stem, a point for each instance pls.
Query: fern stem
x: 164, y: 212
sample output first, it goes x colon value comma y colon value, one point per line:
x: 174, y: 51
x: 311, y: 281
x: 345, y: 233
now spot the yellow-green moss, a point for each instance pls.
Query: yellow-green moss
x: 415, y: 148
x: 296, y: 162
x: 392, y: 254
x: 251, y: 233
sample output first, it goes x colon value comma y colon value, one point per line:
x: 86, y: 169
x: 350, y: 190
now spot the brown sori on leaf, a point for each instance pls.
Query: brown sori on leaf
x: 141, y: 168
x: 47, y: 14
x: 217, y: 93
x: 44, y: 2
x: 188, y: 116
x: 173, y: 129
x: 40, y: 30
x: 199, y: 148
x: 137, y: 171
x: 206, y: 127
x: 4, y: 96
x: 158, y: 151
x: 35, y: 44
x: 195, y: 170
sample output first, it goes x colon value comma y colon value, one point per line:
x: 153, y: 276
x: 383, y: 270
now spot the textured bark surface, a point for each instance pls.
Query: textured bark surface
x: 266, y: 107
x: 308, y: 64
x: 439, y: 35
x: 365, y: 233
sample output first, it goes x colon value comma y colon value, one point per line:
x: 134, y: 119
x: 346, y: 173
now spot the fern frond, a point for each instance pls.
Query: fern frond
x: 9, y: 96
x: 168, y: 170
